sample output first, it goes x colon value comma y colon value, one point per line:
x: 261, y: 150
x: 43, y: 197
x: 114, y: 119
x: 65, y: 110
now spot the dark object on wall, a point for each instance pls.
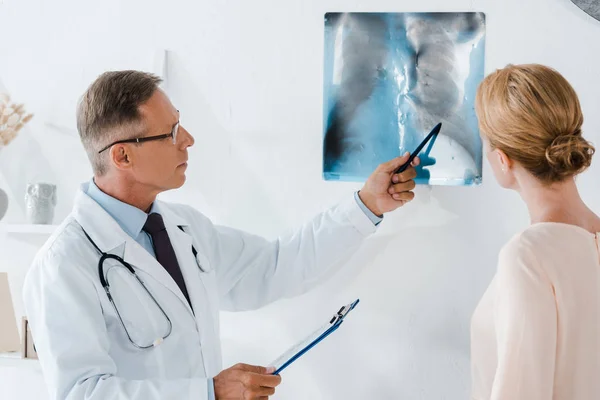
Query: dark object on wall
x: 592, y: 7
x: 27, y: 346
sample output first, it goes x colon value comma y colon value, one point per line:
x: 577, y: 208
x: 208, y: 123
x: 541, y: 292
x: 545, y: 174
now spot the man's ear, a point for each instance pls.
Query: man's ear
x: 120, y: 156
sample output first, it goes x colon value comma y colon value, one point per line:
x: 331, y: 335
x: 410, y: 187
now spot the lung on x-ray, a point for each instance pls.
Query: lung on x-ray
x: 389, y: 78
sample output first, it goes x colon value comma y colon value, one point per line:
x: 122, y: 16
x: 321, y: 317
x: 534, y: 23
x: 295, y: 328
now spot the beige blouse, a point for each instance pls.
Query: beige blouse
x: 536, y: 332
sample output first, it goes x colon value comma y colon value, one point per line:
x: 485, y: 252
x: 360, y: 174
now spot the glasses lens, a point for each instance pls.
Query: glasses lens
x: 174, y: 133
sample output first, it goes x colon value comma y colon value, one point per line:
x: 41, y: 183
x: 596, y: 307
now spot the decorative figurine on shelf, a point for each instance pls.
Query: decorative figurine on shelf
x: 40, y: 201
x: 12, y: 120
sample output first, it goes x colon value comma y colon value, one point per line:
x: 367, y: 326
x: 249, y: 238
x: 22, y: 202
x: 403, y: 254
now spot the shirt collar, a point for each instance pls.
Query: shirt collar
x: 131, y: 219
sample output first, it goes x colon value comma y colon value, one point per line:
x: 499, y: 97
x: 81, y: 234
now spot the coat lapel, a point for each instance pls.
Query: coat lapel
x: 182, y: 244
x: 143, y: 261
x: 110, y: 238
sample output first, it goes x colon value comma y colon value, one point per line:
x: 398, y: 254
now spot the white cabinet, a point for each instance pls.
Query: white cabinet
x: 21, y: 379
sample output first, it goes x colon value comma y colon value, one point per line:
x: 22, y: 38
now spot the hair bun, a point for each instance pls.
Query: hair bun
x: 569, y: 155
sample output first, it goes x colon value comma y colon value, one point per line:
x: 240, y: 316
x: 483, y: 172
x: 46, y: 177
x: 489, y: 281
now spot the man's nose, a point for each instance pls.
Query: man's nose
x: 187, y: 138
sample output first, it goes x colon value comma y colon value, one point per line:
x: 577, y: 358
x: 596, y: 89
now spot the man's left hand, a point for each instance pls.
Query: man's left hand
x: 385, y: 191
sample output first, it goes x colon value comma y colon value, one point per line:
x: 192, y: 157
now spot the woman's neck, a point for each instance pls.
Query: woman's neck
x: 558, y: 202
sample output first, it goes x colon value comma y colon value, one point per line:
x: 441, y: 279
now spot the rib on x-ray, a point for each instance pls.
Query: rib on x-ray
x: 389, y: 78
x: 592, y: 7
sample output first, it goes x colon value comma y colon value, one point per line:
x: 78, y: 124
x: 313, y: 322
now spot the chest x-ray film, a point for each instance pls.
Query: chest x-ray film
x: 389, y: 79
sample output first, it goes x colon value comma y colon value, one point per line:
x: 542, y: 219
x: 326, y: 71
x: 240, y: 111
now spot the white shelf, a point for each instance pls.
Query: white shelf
x: 15, y: 360
x: 28, y: 228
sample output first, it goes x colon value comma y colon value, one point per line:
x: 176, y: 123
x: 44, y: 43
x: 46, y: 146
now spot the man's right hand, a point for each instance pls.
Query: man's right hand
x: 245, y: 382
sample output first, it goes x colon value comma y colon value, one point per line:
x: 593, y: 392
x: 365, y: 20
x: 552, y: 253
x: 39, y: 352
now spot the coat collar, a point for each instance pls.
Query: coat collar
x: 108, y: 235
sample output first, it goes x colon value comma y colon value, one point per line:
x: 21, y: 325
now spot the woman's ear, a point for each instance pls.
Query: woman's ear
x: 504, y: 162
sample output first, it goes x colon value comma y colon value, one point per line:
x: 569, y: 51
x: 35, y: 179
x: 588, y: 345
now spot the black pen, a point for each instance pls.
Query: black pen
x: 433, y: 132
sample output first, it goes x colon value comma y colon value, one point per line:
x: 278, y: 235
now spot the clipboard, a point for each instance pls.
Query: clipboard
x: 313, y: 339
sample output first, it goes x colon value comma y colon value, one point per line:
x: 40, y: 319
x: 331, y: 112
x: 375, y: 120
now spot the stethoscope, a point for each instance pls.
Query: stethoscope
x: 106, y: 286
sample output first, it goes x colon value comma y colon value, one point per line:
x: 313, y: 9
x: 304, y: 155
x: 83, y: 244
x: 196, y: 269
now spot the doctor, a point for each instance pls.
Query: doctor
x: 124, y: 298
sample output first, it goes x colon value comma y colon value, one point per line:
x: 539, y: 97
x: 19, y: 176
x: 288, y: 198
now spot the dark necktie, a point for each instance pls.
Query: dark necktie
x: 164, y: 250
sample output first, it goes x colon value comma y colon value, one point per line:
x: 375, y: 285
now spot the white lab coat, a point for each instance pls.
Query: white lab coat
x: 83, y: 349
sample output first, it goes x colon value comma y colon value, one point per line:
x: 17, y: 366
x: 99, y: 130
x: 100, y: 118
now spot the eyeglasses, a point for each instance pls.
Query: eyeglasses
x: 172, y: 134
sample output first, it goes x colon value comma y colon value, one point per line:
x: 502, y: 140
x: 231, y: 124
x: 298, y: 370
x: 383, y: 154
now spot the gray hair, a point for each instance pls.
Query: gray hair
x: 109, y: 111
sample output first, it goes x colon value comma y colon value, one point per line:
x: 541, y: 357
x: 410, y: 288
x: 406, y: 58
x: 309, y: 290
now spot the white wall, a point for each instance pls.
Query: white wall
x: 247, y: 77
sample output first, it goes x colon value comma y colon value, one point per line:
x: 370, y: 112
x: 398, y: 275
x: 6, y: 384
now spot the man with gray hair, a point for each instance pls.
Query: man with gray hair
x: 124, y: 298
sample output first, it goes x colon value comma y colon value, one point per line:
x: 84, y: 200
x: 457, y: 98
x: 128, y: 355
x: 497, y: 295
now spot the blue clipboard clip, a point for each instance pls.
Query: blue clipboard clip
x: 311, y: 341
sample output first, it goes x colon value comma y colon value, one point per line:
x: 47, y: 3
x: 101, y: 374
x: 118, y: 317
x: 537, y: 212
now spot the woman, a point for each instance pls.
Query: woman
x: 536, y: 331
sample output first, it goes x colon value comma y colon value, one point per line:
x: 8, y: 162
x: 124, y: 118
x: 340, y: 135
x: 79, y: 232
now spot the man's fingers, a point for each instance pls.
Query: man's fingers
x: 405, y: 176
x: 404, y: 196
x: 251, y: 379
x: 244, y: 381
x: 394, y: 163
x: 260, y: 386
x: 258, y: 393
x: 254, y: 368
x: 402, y: 187
x: 264, y: 391
x: 270, y: 381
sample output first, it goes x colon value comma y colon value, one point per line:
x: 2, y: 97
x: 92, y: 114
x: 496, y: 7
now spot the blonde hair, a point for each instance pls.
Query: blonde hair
x: 532, y: 114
